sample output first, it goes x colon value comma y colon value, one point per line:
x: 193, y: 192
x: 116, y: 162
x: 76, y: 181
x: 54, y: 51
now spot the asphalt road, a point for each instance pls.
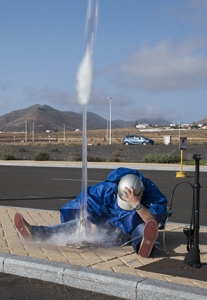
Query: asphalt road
x: 19, y: 288
x: 50, y: 188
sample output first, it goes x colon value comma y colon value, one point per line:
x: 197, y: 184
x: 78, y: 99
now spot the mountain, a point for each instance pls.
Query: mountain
x: 48, y: 118
x: 204, y: 122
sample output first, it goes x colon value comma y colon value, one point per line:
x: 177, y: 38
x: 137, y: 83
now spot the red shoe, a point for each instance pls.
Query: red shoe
x: 149, y: 238
x: 23, y: 227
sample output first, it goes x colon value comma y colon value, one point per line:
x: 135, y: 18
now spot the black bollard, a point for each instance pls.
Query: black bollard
x: 193, y: 256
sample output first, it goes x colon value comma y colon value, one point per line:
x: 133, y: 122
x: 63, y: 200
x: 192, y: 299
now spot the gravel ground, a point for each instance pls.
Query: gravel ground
x: 105, y: 153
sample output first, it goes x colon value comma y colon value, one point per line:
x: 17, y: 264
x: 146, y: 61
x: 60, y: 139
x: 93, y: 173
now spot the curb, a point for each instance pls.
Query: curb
x: 108, y: 283
x: 105, y: 165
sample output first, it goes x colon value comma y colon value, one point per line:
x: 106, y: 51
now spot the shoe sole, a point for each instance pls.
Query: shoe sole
x: 149, y: 238
x: 19, y: 223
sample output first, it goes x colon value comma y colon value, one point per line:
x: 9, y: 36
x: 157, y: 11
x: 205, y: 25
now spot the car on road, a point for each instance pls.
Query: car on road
x: 137, y: 140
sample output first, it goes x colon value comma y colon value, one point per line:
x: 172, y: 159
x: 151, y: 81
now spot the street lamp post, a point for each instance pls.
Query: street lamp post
x: 107, y: 130
x: 25, y: 131
x: 33, y: 132
x: 110, y: 121
x: 64, y: 132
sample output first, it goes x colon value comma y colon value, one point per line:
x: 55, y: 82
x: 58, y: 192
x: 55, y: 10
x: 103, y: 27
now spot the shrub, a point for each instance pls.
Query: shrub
x: 115, y: 157
x: 21, y: 149
x: 91, y: 158
x: 94, y: 158
x: 41, y: 156
x: 192, y: 162
x: 8, y: 156
x: 77, y: 157
x: 54, y: 150
x: 164, y: 158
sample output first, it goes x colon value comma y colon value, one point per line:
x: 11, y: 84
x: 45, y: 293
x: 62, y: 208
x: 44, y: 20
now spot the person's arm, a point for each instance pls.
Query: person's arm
x: 134, y: 200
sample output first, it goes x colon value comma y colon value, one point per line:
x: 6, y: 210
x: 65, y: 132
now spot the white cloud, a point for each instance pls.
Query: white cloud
x: 51, y: 96
x: 166, y: 66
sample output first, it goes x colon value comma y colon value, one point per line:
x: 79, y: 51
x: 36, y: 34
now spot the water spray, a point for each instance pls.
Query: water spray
x: 84, y: 85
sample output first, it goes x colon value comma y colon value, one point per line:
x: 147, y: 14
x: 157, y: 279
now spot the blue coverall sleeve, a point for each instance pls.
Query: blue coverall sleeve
x: 155, y: 201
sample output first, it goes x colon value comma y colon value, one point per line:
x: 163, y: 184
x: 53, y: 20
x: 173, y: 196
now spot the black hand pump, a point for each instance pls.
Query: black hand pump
x: 193, y: 256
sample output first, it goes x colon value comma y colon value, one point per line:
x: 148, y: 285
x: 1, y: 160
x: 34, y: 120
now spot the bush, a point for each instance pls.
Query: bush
x: 77, y: 157
x: 54, y: 150
x: 41, y: 156
x: 94, y: 158
x: 115, y: 157
x: 8, y: 156
x: 164, y: 158
x: 192, y: 162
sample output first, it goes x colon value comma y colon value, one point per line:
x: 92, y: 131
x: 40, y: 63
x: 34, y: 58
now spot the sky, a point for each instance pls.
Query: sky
x: 149, y: 57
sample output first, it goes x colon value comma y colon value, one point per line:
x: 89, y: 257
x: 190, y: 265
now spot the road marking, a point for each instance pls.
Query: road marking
x: 68, y: 179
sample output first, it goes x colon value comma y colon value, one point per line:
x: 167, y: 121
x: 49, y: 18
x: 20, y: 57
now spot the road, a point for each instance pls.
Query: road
x: 18, y: 288
x: 50, y: 188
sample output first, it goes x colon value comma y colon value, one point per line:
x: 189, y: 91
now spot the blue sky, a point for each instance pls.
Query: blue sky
x: 150, y: 57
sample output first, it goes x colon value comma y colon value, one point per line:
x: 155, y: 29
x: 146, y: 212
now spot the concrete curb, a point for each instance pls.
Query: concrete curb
x: 104, y: 165
x: 108, y: 283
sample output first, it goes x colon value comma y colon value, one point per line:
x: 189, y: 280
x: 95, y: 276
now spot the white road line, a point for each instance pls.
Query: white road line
x: 68, y: 179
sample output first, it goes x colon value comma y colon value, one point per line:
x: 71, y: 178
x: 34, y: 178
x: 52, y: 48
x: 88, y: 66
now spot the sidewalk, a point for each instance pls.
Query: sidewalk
x: 113, y: 271
x: 104, y: 270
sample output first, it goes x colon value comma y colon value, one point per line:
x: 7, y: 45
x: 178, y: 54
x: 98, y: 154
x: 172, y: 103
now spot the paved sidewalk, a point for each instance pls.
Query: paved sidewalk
x: 111, y: 271
x: 94, y: 265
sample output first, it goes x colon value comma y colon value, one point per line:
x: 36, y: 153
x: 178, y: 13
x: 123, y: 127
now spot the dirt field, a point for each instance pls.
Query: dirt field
x: 98, y: 148
x: 194, y: 136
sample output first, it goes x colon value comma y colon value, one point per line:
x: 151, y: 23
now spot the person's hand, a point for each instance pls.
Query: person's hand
x: 129, y: 196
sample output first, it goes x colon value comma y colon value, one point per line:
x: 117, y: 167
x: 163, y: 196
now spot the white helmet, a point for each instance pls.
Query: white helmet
x: 128, y: 181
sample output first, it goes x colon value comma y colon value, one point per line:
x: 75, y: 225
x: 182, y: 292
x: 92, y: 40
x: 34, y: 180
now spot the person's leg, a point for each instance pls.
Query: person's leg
x: 136, y: 236
x: 112, y: 236
x: 30, y: 232
x: 149, y: 238
x: 143, y: 238
x: 48, y: 231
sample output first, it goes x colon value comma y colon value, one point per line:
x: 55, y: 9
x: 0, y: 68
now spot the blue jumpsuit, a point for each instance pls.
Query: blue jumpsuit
x: 102, y: 207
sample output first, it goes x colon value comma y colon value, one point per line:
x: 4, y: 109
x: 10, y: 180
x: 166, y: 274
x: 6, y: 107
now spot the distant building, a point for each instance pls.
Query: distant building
x: 142, y: 125
x: 179, y: 125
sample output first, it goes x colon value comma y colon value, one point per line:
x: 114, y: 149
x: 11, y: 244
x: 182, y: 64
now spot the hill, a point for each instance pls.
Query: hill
x: 48, y: 118
x: 204, y: 122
